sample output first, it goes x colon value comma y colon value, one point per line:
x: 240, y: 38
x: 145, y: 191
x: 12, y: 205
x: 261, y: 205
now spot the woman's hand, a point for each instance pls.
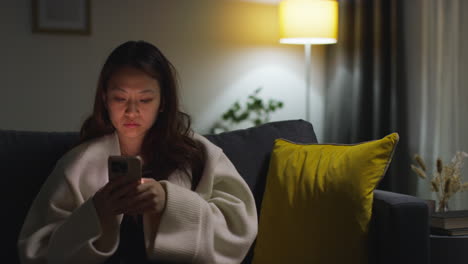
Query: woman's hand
x: 108, y: 199
x: 148, y: 197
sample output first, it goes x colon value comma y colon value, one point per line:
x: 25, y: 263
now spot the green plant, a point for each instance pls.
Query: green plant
x: 255, y: 110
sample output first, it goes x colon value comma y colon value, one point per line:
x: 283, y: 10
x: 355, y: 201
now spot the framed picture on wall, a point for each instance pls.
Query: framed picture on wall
x: 61, y: 16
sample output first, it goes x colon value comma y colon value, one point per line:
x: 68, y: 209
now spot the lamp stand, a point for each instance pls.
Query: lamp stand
x: 307, y: 52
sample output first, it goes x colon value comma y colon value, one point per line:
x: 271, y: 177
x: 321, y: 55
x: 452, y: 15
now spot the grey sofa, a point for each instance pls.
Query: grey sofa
x: 399, y: 229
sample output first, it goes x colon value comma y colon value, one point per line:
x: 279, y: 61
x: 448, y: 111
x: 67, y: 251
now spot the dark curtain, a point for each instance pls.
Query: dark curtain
x: 366, y: 97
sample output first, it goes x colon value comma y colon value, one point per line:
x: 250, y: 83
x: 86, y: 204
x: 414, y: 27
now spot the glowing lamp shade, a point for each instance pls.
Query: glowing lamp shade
x: 308, y: 21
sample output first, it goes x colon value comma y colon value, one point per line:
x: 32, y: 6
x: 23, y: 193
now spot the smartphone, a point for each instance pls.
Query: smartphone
x: 124, y: 166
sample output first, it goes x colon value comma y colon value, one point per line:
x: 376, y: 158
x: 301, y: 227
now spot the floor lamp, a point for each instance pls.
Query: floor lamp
x: 308, y: 22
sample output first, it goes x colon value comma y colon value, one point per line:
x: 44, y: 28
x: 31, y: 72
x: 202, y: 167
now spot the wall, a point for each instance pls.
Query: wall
x: 223, y: 50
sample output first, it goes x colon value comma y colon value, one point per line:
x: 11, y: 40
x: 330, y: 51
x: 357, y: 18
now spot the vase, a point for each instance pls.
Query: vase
x: 443, y: 207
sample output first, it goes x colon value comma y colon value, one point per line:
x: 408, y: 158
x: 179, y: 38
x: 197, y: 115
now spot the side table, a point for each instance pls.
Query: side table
x: 449, y: 249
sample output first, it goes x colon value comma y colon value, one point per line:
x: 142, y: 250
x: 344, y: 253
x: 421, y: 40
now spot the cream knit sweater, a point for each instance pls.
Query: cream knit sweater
x: 215, y: 224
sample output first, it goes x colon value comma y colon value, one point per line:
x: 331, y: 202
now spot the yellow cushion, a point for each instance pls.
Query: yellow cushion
x: 318, y: 201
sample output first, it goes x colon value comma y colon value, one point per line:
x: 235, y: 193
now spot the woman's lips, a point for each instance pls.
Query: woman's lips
x: 131, y: 125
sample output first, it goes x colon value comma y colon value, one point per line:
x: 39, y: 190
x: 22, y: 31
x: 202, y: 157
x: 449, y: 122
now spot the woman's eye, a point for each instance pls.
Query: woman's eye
x: 119, y: 99
x: 146, y: 100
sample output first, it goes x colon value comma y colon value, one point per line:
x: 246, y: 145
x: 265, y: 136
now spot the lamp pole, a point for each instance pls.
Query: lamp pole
x: 307, y: 51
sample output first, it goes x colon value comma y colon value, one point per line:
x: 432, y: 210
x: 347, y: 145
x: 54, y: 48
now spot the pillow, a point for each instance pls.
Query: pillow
x: 250, y: 149
x: 318, y: 201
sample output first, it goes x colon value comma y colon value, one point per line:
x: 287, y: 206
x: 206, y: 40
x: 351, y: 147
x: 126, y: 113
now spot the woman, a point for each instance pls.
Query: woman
x: 190, y: 206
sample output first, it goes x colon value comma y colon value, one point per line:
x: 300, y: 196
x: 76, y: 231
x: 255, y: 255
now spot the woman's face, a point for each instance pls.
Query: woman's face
x: 133, y: 100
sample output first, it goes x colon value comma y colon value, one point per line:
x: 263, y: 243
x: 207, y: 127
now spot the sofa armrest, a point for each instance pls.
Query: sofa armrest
x: 399, y: 229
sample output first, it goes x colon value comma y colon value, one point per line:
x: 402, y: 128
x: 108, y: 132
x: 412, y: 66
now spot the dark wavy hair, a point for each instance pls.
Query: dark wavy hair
x: 168, y: 144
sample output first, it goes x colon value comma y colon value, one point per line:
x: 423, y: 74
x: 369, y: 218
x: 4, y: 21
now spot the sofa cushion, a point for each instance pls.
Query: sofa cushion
x: 318, y: 201
x: 250, y: 149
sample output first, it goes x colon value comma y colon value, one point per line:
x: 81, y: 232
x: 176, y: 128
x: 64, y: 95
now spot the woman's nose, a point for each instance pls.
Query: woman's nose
x: 132, y: 107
